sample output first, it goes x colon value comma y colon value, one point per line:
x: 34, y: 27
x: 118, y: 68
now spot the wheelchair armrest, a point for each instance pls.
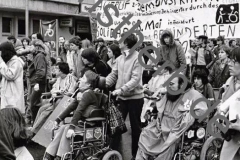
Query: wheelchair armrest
x: 60, y: 96
x: 95, y: 119
x: 46, y: 95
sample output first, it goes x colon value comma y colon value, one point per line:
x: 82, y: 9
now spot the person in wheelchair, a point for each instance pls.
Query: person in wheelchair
x: 160, y: 138
x: 65, y: 85
x: 154, y: 89
x: 89, y: 101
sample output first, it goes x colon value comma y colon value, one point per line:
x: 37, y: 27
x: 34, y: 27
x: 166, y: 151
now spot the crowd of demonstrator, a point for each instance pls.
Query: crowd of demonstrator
x: 28, y: 69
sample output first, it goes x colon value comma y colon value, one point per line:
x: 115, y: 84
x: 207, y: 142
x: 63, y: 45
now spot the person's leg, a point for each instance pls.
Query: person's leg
x: 28, y: 115
x: 35, y: 101
x: 139, y: 155
x: 64, y: 146
x: 22, y: 153
x: 53, y: 146
x: 42, y: 116
x: 229, y: 150
x: 135, y: 109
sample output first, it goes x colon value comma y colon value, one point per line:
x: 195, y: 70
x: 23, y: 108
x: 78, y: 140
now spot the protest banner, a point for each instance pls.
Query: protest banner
x: 49, y: 31
x: 44, y: 135
x: 185, y: 18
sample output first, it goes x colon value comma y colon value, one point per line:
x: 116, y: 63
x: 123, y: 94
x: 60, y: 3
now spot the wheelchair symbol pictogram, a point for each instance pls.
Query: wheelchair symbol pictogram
x: 50, y: 31
x: 233, y: 16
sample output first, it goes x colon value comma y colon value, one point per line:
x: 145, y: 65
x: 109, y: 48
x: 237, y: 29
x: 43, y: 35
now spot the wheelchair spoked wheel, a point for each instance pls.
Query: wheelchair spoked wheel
x: 112, y: 155
x: 211, y: 149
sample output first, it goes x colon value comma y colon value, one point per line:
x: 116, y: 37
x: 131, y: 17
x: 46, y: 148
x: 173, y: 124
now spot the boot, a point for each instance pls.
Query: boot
x: 47, y: 156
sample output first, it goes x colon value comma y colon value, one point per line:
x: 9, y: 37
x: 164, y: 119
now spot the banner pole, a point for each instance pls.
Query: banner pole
x: 41, y: 27
x: 57, y: 35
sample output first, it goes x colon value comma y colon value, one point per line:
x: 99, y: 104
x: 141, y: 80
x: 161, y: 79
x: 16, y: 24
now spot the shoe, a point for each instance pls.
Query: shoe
x: 47, y: 156
x: 133, y: 158
x: 57, y: 158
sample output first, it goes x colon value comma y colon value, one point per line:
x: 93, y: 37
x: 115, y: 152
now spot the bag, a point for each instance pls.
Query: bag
x: 116, y: 122
x: 44, y: 135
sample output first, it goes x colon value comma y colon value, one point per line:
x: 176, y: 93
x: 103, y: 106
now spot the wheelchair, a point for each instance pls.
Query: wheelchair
x: 93, y: 142
x: 197, y: 144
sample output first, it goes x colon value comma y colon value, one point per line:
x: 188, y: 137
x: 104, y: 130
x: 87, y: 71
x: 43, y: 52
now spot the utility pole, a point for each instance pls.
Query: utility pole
x: 26, y: 18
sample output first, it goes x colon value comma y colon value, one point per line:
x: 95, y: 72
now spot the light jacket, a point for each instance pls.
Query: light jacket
x: 12, y: 91
x: 78, y: 63
x: 127, y: 74
x: 69, y: 84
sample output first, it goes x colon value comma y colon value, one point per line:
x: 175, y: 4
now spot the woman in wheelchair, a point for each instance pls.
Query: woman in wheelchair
x: 154, y: 89
x: 65, y: 85
x: 89, y: 101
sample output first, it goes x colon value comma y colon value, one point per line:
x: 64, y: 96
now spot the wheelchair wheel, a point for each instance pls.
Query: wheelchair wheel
x: 211, y: 149
x: 112, y: 155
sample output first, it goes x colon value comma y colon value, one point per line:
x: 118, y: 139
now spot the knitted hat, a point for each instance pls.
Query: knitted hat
x: 76, y: 40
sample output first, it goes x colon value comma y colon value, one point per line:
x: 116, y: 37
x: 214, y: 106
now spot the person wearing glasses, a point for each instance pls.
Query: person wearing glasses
x: 230, y: 149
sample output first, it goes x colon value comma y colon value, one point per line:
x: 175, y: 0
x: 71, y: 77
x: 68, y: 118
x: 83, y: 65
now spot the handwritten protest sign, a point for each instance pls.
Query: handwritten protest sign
x: 44, y: 135
x: 185, y: 18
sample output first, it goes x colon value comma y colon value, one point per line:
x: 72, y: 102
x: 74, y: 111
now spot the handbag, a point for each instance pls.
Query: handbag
x: 116, y: 122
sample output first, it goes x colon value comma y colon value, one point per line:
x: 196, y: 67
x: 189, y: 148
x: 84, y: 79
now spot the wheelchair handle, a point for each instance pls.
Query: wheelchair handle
x: 53, y: 130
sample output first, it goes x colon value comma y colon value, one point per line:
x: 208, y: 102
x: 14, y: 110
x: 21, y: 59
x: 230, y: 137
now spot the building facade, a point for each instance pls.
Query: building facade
x: 71, y: 20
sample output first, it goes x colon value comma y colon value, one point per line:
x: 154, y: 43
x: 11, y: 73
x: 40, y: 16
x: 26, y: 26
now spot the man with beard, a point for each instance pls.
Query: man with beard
x: 160, y: 138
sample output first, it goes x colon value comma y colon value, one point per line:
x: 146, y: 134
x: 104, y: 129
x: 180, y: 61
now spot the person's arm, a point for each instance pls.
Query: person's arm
x: 135, y: 77
x: 211, y: 75
x: 40, y: 67
x: 210, y: 92
x: 87, y: 99
x: 24, y: 52
x: 54, y: 87
x: 72, y: 84
x: 72, y: 107
x: 111, y: 79
x: 10, y: 72
x: 181, y: 57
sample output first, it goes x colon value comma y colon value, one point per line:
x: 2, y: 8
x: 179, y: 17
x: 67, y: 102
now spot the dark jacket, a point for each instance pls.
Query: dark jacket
x: 103, y: 53
x: 218, y: 76
x: 6, y: 142
x: 173, y: 52
x: 208, y: 56
x: 89, y: 101
x: 100, y: 67
x: 38, y: 69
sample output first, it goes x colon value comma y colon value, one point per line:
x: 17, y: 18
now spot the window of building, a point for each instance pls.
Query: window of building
x: 21, y: 27
x: 36, y: 26
x: 6, y: 25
